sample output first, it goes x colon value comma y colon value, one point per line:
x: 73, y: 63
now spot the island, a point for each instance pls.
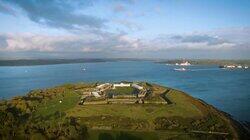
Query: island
x: 120, y: 110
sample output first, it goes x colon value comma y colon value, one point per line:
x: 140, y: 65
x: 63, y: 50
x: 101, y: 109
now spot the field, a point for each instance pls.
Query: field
x: 181, y: 107
x: 50, y: 107
x: 122, y: 91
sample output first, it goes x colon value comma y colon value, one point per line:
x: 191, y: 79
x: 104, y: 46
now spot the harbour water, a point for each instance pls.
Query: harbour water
x: 228, y: 90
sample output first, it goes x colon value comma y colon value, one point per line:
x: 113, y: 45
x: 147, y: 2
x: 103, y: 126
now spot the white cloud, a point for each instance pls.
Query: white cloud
x: 106, y: 43
x: 54, y: 13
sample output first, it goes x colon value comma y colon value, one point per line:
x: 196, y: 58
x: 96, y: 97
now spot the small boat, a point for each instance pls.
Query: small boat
x: 230, y: 66
x: 180, y: 69
x: 185, y: 64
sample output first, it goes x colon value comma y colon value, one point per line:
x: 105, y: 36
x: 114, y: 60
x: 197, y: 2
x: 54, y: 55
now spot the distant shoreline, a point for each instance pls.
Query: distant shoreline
x: 208, y: 61
x: 33, y: 62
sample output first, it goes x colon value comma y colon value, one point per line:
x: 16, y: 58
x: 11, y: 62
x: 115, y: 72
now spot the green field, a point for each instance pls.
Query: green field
x: 50, y: 107
x: 122, y: 91
x: 181, y: 107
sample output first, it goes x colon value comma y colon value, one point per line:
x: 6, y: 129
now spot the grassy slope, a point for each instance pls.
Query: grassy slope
x: 181, y: 107
x: 50, y: 107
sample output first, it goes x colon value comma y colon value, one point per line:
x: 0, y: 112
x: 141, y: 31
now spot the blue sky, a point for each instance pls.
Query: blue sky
x: 125, y: 28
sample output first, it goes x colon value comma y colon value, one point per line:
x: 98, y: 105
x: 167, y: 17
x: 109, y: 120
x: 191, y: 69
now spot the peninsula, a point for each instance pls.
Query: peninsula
x: 123, y: 110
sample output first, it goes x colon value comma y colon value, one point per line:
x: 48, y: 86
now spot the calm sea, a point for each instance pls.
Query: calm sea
x: 228, y: 90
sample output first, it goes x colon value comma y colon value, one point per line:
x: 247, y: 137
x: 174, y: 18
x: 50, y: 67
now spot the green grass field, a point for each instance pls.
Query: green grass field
x: 122, y: 91
x: 50, y: 107
x: 181, y: 107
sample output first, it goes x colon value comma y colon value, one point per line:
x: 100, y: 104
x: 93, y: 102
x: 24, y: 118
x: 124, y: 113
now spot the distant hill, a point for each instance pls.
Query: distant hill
x: 30, y: 62
x: 27, y: 62
x: 57, y: 113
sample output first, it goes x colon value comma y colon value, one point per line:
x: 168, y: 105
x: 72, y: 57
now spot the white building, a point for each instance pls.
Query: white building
x: 137, y: 86
x: 103, y: 85
x: 185, y: 63
x: 121, y: 85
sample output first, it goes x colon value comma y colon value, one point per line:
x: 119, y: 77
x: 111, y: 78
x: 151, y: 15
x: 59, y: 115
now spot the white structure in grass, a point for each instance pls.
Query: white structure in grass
x: 137, y: 86
x: 121, y: 85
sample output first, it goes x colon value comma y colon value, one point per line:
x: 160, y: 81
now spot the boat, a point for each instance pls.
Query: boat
x: 185, y: 64
x: 230, y: 66
x: 180, y: 69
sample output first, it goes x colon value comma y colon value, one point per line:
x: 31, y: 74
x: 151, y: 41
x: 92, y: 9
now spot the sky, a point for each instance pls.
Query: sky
x: 165, y: 29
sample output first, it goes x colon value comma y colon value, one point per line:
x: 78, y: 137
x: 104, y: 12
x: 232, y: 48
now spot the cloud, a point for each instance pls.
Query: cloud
x: 192, y: 42
x: 239, y: 34
x: 108, y: 44
x: 199, y: 38
x: 89, y: 42
x: 58, y: 13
